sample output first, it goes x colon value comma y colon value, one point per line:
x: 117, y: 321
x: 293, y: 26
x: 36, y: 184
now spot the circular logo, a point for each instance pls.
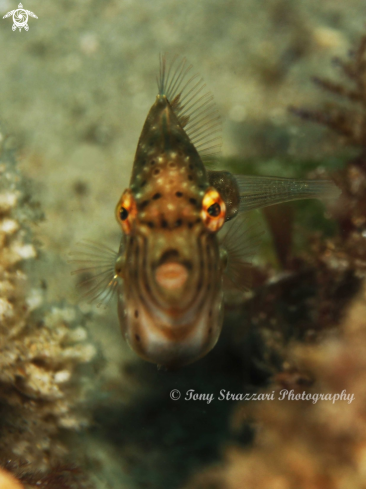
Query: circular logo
x: 175, y: 394
x: 20, y: 17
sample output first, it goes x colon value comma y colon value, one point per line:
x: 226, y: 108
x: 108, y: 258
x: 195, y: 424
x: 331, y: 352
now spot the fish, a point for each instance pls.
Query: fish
x: 183, y: 226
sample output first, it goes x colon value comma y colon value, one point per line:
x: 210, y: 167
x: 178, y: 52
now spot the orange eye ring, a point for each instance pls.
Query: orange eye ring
x: 213, y: 211
x: 126, y: 211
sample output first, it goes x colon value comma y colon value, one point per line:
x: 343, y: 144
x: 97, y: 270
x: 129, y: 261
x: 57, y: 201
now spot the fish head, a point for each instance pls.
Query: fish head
x: 171, y: 307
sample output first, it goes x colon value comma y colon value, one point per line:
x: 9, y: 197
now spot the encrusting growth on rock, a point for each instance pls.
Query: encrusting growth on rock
x: 41, y: 344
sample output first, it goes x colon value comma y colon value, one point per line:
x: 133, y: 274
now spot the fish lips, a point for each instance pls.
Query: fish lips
x: 171, y: 276
x: 171, y: 273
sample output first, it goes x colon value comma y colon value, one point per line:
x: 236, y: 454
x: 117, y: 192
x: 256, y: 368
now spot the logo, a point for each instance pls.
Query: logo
x: 20, y: 18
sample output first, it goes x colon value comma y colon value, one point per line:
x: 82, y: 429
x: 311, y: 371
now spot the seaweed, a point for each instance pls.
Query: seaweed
x: 347, y: 118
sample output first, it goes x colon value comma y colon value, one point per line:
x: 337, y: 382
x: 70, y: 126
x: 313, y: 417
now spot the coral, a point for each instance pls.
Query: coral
x: 42, y: 345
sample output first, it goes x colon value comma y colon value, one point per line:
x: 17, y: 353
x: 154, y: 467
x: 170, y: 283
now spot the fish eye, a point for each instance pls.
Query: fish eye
x: 123, y: 213
x: 126, y: 211
x: 213, y: 211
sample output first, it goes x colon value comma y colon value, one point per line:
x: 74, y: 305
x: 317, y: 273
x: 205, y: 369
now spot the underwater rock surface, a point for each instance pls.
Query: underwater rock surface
x: 42, y: 344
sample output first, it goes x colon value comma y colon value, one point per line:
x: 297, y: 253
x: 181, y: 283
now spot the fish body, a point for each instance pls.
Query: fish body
x: 171, y: 305
x: 168, y: 272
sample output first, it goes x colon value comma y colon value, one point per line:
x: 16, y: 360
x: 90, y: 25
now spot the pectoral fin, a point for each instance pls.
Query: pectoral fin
x: 239, y: 241
x: 257, y: 192
x: 101, y: 269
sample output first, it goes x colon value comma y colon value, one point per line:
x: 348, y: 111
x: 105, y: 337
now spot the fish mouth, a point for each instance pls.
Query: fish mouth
x: 171, y: 276
x: 171, y: 273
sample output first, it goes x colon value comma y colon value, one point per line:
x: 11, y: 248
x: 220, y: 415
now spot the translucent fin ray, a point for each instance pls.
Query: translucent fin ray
x: 194, y: 107
x: 97, y: 263
x: 240, y: 241
x: 257, y: 192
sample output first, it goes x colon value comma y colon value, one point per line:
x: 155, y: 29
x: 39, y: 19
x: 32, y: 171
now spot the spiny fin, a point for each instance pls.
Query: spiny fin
x: 240, y: 241
x: 257, y: 192
x: 98, y: 264
x: 193, y: 105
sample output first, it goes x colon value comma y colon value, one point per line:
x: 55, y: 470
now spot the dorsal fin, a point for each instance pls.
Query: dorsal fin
x: 193, y: 105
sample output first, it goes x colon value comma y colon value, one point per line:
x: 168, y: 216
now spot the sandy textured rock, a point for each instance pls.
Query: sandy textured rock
x: 41, y: 344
